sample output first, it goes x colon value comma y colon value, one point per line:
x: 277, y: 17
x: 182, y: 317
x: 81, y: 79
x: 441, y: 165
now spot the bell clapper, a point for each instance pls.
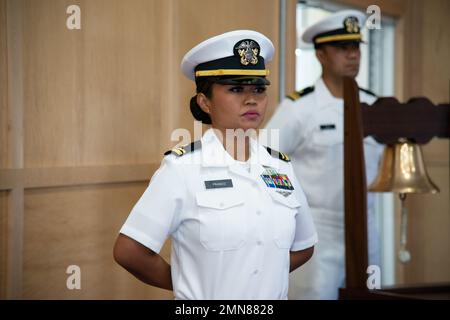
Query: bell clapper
x: 403, y: 254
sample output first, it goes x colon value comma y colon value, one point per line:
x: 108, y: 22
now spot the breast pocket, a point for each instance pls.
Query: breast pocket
x: 284, y: 212
x: 222, y: 219
x: 328, y: 135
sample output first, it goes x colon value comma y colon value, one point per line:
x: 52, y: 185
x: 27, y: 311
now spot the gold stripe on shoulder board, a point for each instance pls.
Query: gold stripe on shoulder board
x: 293, y: 96
x: 178, y: 151
x: 285, y: 156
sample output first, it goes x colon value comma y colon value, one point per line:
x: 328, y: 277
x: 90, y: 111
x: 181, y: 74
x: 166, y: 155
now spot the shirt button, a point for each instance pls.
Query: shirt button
x: 221, y: 204
x: 259, y: 242
x: 258, y: 212
x: 255, y: 272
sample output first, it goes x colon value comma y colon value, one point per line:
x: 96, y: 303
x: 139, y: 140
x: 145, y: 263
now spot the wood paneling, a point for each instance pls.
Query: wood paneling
x: 97, y: 87
x: 3, y: 243
x: 72, y: 176
x: 3, y: 87
x: 428, y: 233
x: 435, y: 50
x: 78, y: 226
x: 3, y: 148
x: 427, y: 73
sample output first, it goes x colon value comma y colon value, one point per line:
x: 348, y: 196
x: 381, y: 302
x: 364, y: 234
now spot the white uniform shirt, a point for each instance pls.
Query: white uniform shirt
x: 227, y: 243
x: 311, y: 133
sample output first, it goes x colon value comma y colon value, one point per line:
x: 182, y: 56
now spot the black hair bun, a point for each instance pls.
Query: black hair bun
x: 198, y: 113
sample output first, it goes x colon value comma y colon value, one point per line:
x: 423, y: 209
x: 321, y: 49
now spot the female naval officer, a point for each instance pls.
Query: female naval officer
x: 239, y: 221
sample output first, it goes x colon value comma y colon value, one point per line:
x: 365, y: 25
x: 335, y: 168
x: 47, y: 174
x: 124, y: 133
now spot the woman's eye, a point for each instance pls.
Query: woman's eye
x: 260, y: 89
x: 236, y: 89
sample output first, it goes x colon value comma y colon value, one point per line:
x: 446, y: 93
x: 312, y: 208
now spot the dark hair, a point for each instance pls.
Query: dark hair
x: 204, y: 85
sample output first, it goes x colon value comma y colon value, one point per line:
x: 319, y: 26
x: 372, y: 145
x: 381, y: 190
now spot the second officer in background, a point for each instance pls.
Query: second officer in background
x: 310, y: 124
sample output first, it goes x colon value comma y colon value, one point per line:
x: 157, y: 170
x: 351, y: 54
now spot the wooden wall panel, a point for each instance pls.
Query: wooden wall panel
x: 97, y: 87
x: 78, y: 226
x: 436, y: 50
x: 3, y: 87
x: 3, y: 147
x: 428, y: 232
x: 429, y: 223
x: 3, y: 243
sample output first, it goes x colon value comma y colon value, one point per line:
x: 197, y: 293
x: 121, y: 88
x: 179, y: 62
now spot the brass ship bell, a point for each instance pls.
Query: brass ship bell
x: 403, y: 171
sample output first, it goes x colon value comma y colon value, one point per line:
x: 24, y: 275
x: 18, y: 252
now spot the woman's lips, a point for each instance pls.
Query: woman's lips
x: 250, y: 115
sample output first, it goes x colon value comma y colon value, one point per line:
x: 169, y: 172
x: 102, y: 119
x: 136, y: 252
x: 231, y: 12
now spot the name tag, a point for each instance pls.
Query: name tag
x: 216, y: 184
x: 327, y: 127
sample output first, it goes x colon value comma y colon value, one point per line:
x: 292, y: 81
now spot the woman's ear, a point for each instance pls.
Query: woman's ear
x: 203, y: 102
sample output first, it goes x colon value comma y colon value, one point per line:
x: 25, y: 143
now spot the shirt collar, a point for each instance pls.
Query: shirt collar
x: 215, y: 155
x: 324, y: 95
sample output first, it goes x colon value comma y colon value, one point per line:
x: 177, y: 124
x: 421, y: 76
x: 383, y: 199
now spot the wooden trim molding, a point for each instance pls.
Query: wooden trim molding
x: 72, y: 176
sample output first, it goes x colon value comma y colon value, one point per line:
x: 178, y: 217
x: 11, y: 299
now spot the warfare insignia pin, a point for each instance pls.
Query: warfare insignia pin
x: 351, y: 24
x: 248, y: 51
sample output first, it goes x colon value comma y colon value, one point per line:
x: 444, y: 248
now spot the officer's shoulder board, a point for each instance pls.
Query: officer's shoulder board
x: 181, y: 151
x: 298, y: 94
x: 368, y: 92
x: 278, y: 154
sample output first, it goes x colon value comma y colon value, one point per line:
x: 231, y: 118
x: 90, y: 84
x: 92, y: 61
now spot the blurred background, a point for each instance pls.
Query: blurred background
x: 89, y: 96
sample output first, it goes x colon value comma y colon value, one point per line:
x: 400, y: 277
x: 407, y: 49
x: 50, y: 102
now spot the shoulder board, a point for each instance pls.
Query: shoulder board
x: 181, y: 151
x: 277, y: 154
x: 297, y: 94
x: 368, y: 92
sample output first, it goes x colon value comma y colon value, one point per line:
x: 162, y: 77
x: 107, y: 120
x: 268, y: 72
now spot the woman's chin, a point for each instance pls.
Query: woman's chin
x: 251, y: 124
x: 248, y: 126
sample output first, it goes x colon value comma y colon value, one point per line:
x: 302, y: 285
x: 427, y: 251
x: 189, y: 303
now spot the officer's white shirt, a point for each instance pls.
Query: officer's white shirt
x: 311, y: 132
x: 227, y: 243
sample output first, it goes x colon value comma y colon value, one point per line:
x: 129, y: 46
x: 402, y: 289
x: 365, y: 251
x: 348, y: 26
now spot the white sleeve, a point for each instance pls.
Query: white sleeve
x: 155, y: 216
x: 305, y: 231
x: 286, y: 120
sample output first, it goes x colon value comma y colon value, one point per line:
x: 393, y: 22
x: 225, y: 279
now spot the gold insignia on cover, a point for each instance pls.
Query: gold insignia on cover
x: 351, y: 24
x: 248, y: 51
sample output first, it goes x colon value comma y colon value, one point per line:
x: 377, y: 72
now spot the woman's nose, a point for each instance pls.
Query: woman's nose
x: 250, y: 98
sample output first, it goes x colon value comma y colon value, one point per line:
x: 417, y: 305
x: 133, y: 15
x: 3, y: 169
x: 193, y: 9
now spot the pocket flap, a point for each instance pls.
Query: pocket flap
x: 221, y: 200
x: 289, y: 201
